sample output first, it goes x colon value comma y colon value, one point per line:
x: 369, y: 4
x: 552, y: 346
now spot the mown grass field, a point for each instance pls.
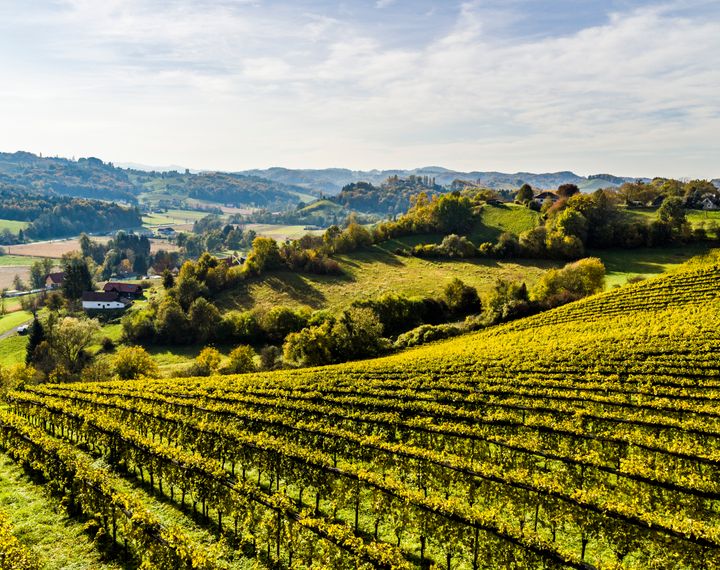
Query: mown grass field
x: 372, y: 273
x: 13, y: 225
x: 646, y: 262
x: 584, y: 437
x: 695, y: 217
x: 17, y: 260
x: 495, y: 220
x: 280, y: 232
x: 12, y: 320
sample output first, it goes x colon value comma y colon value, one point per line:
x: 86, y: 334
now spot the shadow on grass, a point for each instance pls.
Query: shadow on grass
x: 299, y: 289
x: 648, y: 260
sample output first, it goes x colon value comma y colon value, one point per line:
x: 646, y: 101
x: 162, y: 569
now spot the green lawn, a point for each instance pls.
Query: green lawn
x: 281, y: 232
x: 175, y: 358
x: 695, y: 217
x: 374, y: 272
x: 320, y: 207
x: 645, y: 262
x: 12, y: 350
x: 13, y: 225
x: 12, y: 320
x: 15, y: 260
x: 495, y: 220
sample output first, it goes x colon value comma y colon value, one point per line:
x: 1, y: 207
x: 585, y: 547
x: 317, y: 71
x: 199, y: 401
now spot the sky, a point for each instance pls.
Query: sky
x: 620, y: 86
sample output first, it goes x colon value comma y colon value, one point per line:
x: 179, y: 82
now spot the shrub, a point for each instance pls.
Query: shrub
x: 461, y: 299
x: 138, y: 326
x: 270, y: 357
x: 133, y: 362
x: 207, y: 362
x: 16, y: 376
x: 426, y: 333
x: 279, y: 322
x: 240, y: 360
x: 107, y: 344
x: 574, y: 281
x: 241, y: 326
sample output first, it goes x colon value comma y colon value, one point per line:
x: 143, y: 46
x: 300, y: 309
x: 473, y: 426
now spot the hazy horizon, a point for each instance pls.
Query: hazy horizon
x: 618, y: 86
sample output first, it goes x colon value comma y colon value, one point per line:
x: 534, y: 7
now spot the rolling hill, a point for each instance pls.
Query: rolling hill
x: 93, y: 178
x: 584, y: 437
x: 332, y: 180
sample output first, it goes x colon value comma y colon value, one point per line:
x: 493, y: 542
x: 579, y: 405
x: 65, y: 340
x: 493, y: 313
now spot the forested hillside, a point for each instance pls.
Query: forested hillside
x: 93, y: 178
x: 391, y: 197
x: 53, y: 216
x: 584, y: 437
x: 86, y: 177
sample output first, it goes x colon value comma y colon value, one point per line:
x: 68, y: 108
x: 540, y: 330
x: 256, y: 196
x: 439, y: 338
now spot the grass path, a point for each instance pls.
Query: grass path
x: 58, y: 541
x: 170, y: 514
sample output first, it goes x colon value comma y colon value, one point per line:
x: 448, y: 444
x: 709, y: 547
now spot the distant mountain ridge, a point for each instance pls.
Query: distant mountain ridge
x: 332, y: 180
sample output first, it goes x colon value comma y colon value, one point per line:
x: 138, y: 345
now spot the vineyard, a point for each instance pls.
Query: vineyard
x: 585, y: 437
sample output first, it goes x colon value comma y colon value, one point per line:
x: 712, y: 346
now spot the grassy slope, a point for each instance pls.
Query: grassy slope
x: 372, y: 273
x: 280, y: 232
x: 12, y: 320
x: 320, y: 207
x: 645, y: 262
x: 12, y: 350
x: 13, y: 225
x: 695, y: 217
x: 58, y: 541
x: 494, y: 220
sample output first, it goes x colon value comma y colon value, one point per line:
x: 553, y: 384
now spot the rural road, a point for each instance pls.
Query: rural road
x: 12, y: 331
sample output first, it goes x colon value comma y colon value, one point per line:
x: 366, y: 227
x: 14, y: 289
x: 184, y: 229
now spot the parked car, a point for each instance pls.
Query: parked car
x: 23, y: 329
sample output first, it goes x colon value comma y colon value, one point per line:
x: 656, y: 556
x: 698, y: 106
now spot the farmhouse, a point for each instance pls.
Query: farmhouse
x: 102, y: 301
x: 709, y: 204
x: 166, y: 232
x: 54, y: 280
x: 128, y: 290
x: 542, y: 196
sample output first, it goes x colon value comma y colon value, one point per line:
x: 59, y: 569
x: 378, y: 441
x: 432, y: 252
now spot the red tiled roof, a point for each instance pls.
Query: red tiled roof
x: 122, y: 287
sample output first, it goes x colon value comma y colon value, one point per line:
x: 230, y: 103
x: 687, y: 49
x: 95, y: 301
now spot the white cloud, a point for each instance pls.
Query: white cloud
x: 235, y: 85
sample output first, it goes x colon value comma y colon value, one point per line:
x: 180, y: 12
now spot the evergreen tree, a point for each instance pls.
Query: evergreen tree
x: 168, y: 280
x: 77, y: 277
x: 525, y: 194
x: 37, y: 335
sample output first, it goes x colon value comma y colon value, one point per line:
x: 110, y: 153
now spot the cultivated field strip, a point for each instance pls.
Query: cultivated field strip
x: 585, y: 437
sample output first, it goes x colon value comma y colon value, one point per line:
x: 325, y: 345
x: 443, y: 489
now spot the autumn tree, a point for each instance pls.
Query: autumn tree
x: 132, y: 362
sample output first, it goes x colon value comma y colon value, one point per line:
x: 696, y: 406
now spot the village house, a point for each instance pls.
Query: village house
x: 165, y: 232
x: 127, y: 290
x: 709, y: 204
x: 54, y: 280
x: 102, y: 301
x: 542, y: 196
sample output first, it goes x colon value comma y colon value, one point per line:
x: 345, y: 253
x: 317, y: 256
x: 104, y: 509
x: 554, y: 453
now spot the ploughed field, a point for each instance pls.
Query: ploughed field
x: 584, y: 437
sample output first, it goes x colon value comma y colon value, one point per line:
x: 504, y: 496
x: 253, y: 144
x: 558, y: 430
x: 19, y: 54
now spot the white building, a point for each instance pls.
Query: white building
x: 101, y: 301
